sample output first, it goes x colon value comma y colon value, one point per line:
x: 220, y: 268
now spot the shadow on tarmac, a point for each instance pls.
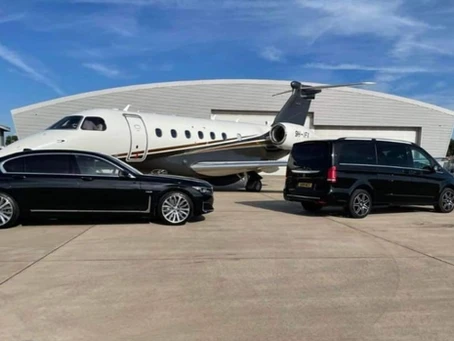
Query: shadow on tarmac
x: 283, y: 206
x: 97, y: 220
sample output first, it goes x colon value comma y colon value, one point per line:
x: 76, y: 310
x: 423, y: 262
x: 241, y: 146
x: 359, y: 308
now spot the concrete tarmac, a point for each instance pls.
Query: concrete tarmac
x: 258, y: 268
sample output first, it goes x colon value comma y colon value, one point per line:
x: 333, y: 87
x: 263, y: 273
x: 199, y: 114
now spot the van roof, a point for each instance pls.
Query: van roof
x: 358, y: 139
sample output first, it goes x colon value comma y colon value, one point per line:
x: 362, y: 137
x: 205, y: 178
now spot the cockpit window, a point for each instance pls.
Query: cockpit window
x: 94, y: 123
x: 68, y: 122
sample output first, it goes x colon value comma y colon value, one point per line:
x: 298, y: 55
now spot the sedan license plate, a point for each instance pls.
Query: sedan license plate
x: 305, y: 184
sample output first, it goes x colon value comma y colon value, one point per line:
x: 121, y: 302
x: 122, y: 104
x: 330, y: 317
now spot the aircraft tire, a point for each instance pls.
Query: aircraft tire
x: 254, y: 186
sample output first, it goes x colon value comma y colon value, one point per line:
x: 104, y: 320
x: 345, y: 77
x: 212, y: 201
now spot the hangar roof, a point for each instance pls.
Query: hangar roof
x: 285, y: 84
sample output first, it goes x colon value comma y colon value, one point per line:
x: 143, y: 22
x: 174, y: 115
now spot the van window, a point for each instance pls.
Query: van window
x: 394, y: 154
x: 357, y: 152
x: 420, y: 159
x: 94, y: 123
x: 310, y: 155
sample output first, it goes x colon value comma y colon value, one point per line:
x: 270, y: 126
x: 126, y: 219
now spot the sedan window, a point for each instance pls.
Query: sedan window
x: 42, y: 164
x: 89, y: 165
x: 15, y: 165
x: 49, y: 164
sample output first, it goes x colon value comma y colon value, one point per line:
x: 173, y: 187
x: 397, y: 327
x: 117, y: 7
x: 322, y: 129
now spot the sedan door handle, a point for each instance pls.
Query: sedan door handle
x: 87, y: 178
x: 18, y: 176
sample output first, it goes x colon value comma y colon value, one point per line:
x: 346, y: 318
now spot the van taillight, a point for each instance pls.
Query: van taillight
x: 332, y: 174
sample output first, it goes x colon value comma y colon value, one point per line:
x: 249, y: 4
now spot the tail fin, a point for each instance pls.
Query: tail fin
x: 296, y: 108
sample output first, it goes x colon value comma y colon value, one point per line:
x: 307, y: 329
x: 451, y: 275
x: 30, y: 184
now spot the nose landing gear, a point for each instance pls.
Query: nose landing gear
x: 254, y: 182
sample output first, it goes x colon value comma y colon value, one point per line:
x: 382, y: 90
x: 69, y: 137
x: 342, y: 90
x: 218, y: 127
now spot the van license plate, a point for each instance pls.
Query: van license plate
x: 305, y: 184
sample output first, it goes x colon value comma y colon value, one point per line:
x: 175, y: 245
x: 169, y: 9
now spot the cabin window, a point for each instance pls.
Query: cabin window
x: 158, y: 132
x: 94, y: 123
x: 188, y: 134
x: 68, y: 122
x: 200, y: 135
x: 224, y: 136
x: 213, y: 135
x: 173, y: 132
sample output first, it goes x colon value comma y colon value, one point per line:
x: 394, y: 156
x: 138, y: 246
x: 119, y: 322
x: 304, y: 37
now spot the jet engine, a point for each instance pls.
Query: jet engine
x: 284, y: 135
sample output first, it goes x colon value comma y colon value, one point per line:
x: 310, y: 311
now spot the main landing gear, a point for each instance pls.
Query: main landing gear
x: 254, y: 182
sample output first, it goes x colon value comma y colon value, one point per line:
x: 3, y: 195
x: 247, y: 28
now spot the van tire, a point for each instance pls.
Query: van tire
x: 359, y: 204
x: 445, y: 203
x: 311, y: 206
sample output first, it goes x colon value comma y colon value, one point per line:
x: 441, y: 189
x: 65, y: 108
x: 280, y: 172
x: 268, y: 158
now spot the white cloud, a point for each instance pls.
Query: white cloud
x: 190, y: 4
x: 409, y: 46
x: 386, y: 69
x: 17, y: 61
x: 440, y: 84
x: 11, y: 18
x: 103, y: 70
x: 352, y: 17
x: 271, y: 54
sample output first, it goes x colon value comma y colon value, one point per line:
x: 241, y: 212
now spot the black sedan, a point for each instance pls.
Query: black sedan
x: 55, y: 182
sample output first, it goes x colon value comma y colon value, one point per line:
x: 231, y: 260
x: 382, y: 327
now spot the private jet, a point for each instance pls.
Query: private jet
x: 221, y: 152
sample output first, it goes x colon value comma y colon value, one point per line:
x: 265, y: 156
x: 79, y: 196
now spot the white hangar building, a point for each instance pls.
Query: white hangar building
x: 354, y: 112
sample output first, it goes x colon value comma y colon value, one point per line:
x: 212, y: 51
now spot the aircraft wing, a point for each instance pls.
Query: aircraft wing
x: 221, y: 168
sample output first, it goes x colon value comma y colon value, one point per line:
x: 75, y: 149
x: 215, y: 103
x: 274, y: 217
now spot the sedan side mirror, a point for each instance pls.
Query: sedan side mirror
x: 124, y: 174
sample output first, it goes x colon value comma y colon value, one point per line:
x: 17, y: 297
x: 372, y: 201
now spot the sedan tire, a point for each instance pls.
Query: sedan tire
x: 175, y: 208
x: 9, y: 211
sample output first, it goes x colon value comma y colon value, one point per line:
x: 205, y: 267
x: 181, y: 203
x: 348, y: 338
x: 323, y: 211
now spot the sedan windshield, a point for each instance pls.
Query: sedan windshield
x: 68, y: 122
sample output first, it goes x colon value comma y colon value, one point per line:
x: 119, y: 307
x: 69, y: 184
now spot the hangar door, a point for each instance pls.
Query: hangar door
x: 396, y: 133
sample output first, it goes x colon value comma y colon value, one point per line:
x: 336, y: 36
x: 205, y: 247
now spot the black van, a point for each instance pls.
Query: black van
x: 358, y: 173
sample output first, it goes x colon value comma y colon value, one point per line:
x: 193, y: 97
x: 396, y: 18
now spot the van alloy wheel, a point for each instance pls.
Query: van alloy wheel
x: 445, y: 202
x: 448, y: 201
x: 175, y: 208
x: 360, y: 204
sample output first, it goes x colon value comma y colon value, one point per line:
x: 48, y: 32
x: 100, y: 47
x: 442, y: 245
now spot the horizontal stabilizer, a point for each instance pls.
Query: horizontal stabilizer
x: 221, y: 168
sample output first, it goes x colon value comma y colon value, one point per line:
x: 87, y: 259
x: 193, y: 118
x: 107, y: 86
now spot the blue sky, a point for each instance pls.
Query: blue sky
x: 54, y: 48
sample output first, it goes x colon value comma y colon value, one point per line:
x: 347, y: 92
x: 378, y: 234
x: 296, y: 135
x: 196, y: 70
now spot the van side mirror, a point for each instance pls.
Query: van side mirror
x: 437, y: 168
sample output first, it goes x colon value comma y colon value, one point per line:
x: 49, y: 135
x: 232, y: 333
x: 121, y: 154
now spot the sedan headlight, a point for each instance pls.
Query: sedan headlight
x: 203, y: 190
